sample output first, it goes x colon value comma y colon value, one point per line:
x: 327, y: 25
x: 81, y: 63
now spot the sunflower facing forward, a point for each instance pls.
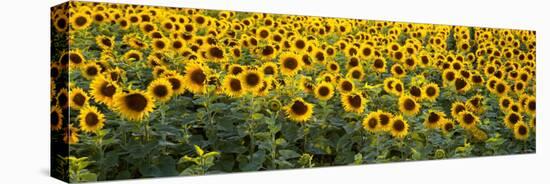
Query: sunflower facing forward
x: 103, y: 90
x: 289, y: 64
x: 372, y: 122
x: 399, y: 128
x: 77, y: 98
x: 408, y: 106
x: 91, y: 119
x: 324, y: 91
x: 299, y: 110
x: 134, y: 105
x: 251, y: 79
x: 521, y: 131
x: 160, y: 89
x: 195, y: 78
x: 353, y: 102
x: 232, y: 86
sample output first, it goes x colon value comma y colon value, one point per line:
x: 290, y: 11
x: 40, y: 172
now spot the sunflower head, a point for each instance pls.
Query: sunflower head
x: 233, y: 86
x: 346, y: 86
x: 195, y: 78
x: 78, y: 98
x: 324, y: 91
x: 90, y: 70
x: 521, y: 131
x: 467, y: 119
x: 252, y: 79
x: 91, y: 119
x: 103, y: 90
x: 399, y: 128
x: 431, y: 92
x: 299, y: 110
x: 434, y: 119
x: 56, y: 118
x: 408, y: 106
x: 134, y: 105
x: 289, y: 64
x: 372, y: 122
x: 160, y: 89
x: 353, y: 102
x: 512, y: 118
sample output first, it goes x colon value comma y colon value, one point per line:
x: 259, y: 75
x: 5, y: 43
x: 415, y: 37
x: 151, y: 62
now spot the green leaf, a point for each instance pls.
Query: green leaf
x: 88, y: 177
x: 288, y: 154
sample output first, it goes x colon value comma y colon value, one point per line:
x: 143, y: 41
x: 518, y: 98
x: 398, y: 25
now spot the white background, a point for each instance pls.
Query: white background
x: 24, y: 90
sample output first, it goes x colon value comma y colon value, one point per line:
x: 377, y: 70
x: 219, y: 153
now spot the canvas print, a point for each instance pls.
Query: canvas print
x: 145, y: 91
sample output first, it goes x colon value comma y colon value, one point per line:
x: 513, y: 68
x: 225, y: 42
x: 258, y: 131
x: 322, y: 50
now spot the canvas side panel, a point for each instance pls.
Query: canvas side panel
x: 59, y: 59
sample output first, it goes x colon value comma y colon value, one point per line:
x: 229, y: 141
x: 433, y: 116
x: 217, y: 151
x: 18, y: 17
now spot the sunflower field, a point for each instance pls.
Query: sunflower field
x: 143, y: 91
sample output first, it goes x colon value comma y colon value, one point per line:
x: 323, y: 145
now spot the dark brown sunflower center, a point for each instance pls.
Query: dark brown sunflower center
x: 378, y: 63
x: 373, y: 122
x: 216, y: 52
x: 176, y: 84
x: 347, y: 86
x: 514, y: 118
x: 299, y: 108
x: 92, y: 71
x: 300, y: 44
x: 398, y: 70
x: 80, y: 21
x: 433, y: 118
x: 353, y: 62
x: 264, y: 33
x: 54, y: 118
x: 460, y: 84
x: 107, y: 42
x: 79, y: 99
x: 409, y: 104
x: 198, y: 77
x: 62, y: 99
x: 324, y: 91
x: 268, y: 50
x: 500, y: 88
x: 398, y: 55
x: 522, y: 130
x: 356, y: 74
x: 160, y: 44
x: 398, y: 125
x: 305, y: 59
x: 450, y: 76
x: 367, y: 51
x: 448, y: 127
x: 290, y: 63
x: 415, y: 91
x: 235, y: 85
x: 334, y: 67
x: 398, y: 87
x: 532, y: 105
x: 136, y: 102
x: 108, y: 90
x: 160, y: 91
x: 459, y: 109
x: 430, y: 91
x: 320, y: 56
x: 252, y: 79
x: 236, y: 70
x: 269, y: 70
x: 61, y: 23
x: 75, y: 58
x: 355, y: 101
x: 468, y: 118
x: 177, y: 45
x: 91, y: 119
x: 384, y: 119
x: 410, y: 62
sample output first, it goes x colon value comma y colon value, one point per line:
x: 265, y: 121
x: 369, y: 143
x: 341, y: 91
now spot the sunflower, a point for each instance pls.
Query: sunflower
x: 431, y: 92
x: 263, y: 90
x: 467, y: 119
x: 449, y: 75
x: 195, y: 78
x: 512, y: 118
x: 63, y: 98
x: 456, y: 108
x: 504, y: 102
x: 80, y: 20
x: 103, y: 90
x: 90, y: 70
x: 160, y: 89
x: 408, y: 106
x: 133, y: 56
x: 299, y: 110
x: 461, y: 85
x: 176, y: 81
x: 398, y: 71
x: 345, y: 86
x: 269, y: 69
x: 521, y: 131
x: 251, y: 79
x: 215, y: 53
x: 399, y: 128
x: 105, y: 42
x: 134, y: 105
x: 447, y: 125
x: 233, y: 86
x: 91, y: 119
x: 416, y: 92
x: 333, y: 67
x: 501, y: 88
x: 379, y: 65
x: 324, y: 91
x: 77, y: 98
x: 71, y: 135
x: 56, y: 118
x: 434, y: 119
x: 61, y: 23
x: 531, y: 105
x: 236, y: 69
x: 299, y: 44
x: 289, y: 64
x: 385, y: 119
x: 372, y: 122
x: 366, y: 51
x: 356, y: 73
x: 353, y: 102
x: 475, y: 104
x: 76, y: 59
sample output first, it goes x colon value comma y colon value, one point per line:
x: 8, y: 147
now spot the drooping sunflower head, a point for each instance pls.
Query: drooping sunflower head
x: 399, y: 128
x: 372, y: 122
x: 78, y: 98
x: 521, y: 131
x: 353, y: 102
x: 134, y: 105
x: 289, y: 64
x: 195, y: 78
x: 299, y: 110
x: 324, y: 91
x: 160, y: 89
x: 346, y: 86
x: 408, y: 106
x: 434, y: 119
x: 251, y: 79
x: 91, y: 119
x: 467, y: 119
x: 233, y: 86
x: 103, y: 90
x: 90, y: 70
x: 475, y: 103
x: 56, y: 118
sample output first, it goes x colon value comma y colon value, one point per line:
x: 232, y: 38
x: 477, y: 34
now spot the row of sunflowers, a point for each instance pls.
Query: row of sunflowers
x: 143, y: 91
